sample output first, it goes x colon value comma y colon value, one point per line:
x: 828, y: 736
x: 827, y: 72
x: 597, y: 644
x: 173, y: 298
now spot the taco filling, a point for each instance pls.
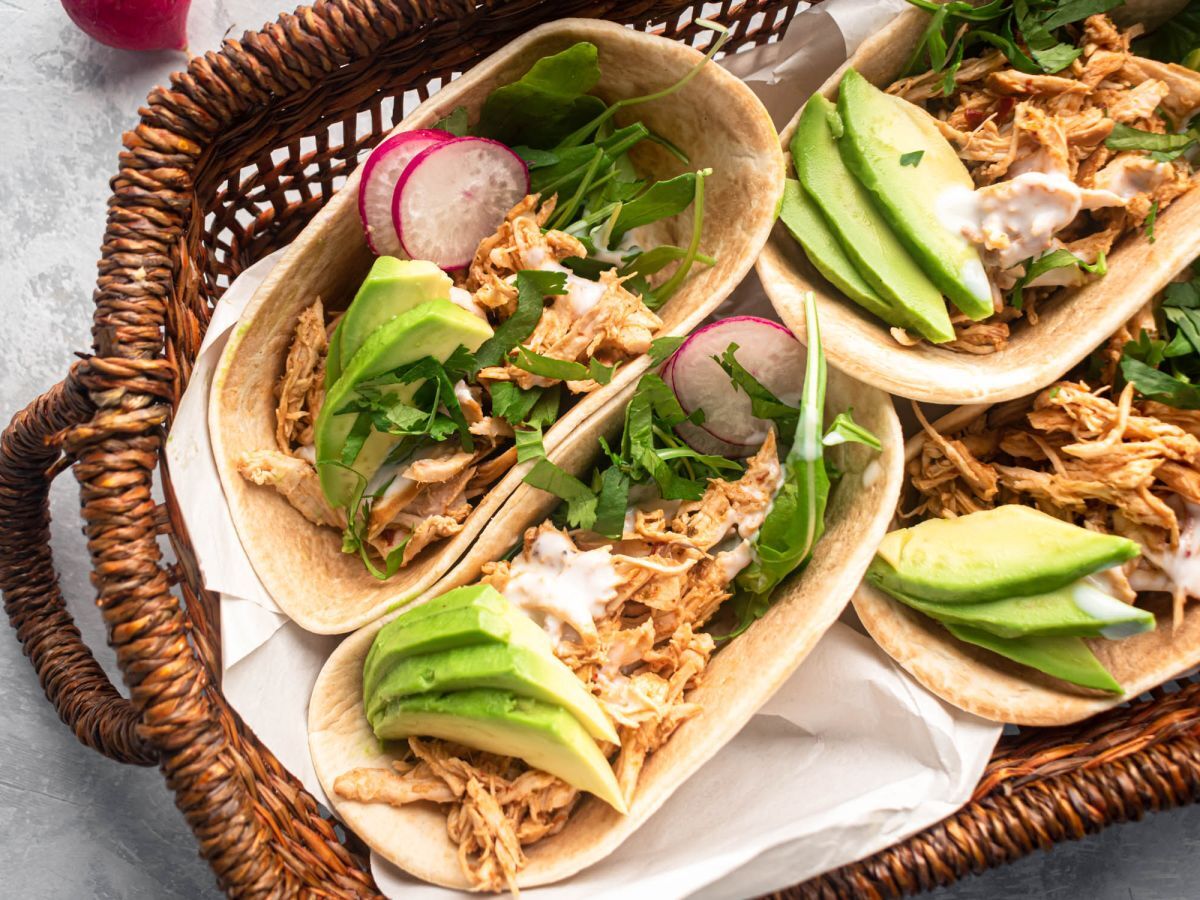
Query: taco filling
x: 662, y: 554
x: 1025, y: 143
x: 396, y: 416
x: 1114, y: 449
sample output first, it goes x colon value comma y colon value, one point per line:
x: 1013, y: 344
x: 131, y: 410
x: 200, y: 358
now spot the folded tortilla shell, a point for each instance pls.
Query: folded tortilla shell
x: 996, y: 688
x: 1068, y: 327
x: 718, y: 122
x: 739, y: 679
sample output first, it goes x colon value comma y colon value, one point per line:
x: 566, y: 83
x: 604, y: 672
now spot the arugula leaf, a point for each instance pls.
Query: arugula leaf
x: 529, y: 444
x: 1056, y: 259
x: 911, y: 159
x: 1160, y: 386
x: 455, y: 122
x: 663, y: 347
x: 581, y: 501
x: 796, y: 518
x: 763, y: 403
x: 533, y: 286
x: 844, y: 430
x: 534, y: 158
x: 548, y: 102
x: 664, y: 292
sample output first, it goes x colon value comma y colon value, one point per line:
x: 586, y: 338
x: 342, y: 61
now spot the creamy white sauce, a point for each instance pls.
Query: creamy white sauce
x: 584, y: 294
x: 730, y: 562
x: 558, y: 585
x: 1128, y: 176
x: 308, y: 453
x: 463, y: 394
x: 463, y: 298
x: 615, y: 256
x: 1017, y: 219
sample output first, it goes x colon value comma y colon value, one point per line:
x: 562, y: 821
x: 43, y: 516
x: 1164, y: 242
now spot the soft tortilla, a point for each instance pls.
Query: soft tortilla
x: 995, y: 688
x: 715, y: 118
x: 739, y: 679
x: 1069, y: 326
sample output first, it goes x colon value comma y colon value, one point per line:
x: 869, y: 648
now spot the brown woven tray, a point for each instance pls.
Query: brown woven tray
x: 225, y: 166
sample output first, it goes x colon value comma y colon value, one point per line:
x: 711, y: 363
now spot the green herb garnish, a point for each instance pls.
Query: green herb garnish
x: 1056, y: 259
x: 911, y: 159
x: 1167, y: 369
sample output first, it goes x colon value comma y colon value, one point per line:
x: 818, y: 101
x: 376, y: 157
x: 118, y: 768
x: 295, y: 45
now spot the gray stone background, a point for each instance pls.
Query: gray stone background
x: 73, y: 825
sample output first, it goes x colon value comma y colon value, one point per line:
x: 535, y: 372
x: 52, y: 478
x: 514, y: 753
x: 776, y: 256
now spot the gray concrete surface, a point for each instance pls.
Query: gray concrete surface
x: 73, y: 825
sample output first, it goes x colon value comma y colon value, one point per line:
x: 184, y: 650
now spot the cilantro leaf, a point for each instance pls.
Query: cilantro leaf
x: 911, y: 159
x: 663, y: 347
x: 511, y: 403
x: 581, y: 500
x: 529, y: 444
x: 612, y: 503
x: 763, y: 403
x: 533, y: 286
x: 1165, y: 146
x: 1056, y: 259
x: 455, y: 122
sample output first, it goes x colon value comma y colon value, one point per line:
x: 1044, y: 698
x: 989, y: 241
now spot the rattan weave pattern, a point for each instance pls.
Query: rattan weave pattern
x: 226, y: 165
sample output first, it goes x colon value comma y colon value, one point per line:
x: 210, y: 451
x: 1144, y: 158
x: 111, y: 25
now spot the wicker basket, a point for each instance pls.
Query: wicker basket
x: 225, y: 166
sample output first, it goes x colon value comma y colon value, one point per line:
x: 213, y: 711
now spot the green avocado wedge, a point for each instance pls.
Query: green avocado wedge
x: 1079, y: 609
x: 436, y: 329
x: 994, y: 554
x: 849, y: 241
x: 391, y: 288
x: 880, y: 131
x: 546, y: 737
x: 532, y: 672
x: 463, y: 617
x: 1067, y: 658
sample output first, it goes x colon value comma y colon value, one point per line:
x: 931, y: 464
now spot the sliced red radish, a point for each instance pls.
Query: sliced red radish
x: 766, y: 349
x: 381, y: 173
x: 453, y: 195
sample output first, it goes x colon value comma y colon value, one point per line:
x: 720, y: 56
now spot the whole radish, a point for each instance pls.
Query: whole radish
x: 133, y: 24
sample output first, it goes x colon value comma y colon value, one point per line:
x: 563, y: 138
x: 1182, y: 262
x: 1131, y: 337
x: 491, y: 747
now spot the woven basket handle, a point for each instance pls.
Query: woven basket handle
x: 72, y: 679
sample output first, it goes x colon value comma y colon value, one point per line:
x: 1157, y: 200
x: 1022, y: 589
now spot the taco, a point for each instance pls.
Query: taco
x: 1073, y: 518
x: 676, y: 589
x: 539, y: 221
x: 983, y: 194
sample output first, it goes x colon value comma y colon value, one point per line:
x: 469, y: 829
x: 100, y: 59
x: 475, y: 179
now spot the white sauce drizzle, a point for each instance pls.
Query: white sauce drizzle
x: 583, y: 293
x: 616, y: 256
x: 871, y: 473
x: 1017, y: 219
x: 559, y: 585
x: 730, y: 562
x: 1181, y: 566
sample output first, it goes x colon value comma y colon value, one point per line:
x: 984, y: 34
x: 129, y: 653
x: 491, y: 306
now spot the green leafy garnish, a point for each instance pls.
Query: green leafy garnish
x: 1167, y: 369
x: 1151, y: 218
x: 548, y: 102
x: 1056, y: 259
x: 911, y: 159
x: 956, y: 27
x: 581, y: 500
x: 662, y: 347
x: 529, y: 444
x: 562, y: 370
x: 456, y: 122
x: 1162, y: 147
x: 763, y: 403
x: 1175, y: 41
x: 797, y: 516
x: 532, y: 288
x: 844, y: 430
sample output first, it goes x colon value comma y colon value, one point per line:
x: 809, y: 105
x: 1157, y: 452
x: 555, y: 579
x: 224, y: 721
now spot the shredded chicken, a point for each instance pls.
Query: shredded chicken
x: 429, y: 497
x: 641, y: 659
x: 1036, y: 141
x: 1123, y: 465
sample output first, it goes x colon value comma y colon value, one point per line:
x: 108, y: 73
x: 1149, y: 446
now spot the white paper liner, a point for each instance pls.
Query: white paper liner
x: 848, y: 758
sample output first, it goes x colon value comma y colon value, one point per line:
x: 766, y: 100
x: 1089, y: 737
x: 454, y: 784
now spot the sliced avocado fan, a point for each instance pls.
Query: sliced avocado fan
x: 847, y: 238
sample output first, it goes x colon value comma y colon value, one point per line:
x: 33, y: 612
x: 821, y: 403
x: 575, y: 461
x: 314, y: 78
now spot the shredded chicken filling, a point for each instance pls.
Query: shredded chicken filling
x: 645, y: 653
x: 431, y: 495
x: 1035, y: 148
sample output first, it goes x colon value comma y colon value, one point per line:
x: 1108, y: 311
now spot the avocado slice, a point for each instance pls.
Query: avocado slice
x: 392, y: 287
x: 879, y: 130
x: 1079, y: 609
x: 475, y: 614
x: 994, y: 554
x: 533, y: 672
x: 436, y: 328
x: 546, y: 737
x: 1067, y: 658
x: 848, y: 240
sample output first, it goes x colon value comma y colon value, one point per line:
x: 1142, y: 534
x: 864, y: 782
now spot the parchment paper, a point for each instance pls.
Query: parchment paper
x: 849, y: 757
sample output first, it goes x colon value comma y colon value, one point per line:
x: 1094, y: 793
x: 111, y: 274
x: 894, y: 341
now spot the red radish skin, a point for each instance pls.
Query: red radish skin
x: 767, y: 350
x: 453, y: 195
x: 381, y: 174
x: 132, y: 24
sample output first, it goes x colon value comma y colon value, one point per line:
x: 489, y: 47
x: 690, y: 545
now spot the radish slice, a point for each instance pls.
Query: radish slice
x: 381, y: 173
x: 453, y: 195
x: 766, y: 349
